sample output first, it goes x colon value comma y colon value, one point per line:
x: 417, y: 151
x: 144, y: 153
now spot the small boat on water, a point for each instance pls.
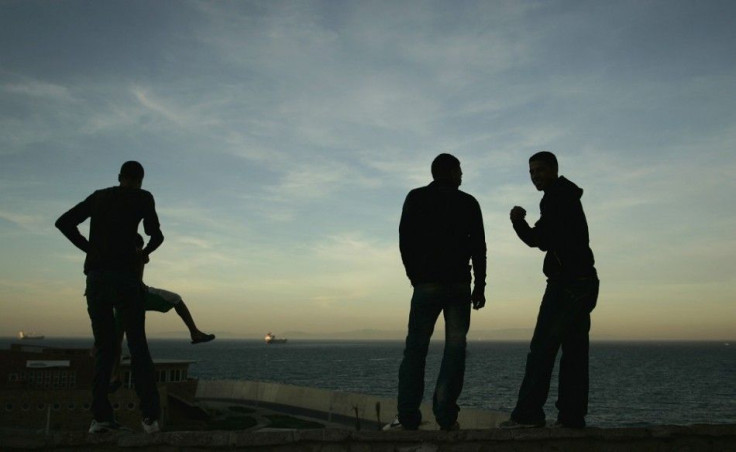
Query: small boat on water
x: 272, y: 339
x: 30, y: 335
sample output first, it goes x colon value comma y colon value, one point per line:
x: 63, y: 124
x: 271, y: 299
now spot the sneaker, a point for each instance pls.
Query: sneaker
x: 104, y: 426
x: 512, y: 424
x: 452, y: 428
x: 560, y: 424
x: 200, y: 339
x: 395, y: 425
x: 150, y: 425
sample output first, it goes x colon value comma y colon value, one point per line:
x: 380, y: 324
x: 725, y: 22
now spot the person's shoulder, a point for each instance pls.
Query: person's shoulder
x: 467, y: 197
x: 145, y: 193
x: 132, y: 194
x: 465, y: 194
x: 106, y: 189
x: 135, y: 192
x: 564, y: 190
x: 101, y: 192
x: 146, y: 197
x: 418, y: 191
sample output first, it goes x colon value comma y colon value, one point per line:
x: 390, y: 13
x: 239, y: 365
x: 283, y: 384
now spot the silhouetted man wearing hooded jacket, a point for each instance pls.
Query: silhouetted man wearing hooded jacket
x: 571, y: 294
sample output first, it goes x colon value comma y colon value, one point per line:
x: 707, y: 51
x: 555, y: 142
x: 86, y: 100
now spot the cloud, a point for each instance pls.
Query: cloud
x: 33, y: 223
x: 40, y: 89
x: 282, y: 138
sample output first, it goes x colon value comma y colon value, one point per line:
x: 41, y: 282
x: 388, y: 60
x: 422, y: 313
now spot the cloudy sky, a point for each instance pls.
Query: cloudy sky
x: 280, y: 139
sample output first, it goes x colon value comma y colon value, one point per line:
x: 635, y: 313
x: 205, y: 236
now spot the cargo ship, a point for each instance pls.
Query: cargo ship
x: 23, y: 335
x: 271, y: 339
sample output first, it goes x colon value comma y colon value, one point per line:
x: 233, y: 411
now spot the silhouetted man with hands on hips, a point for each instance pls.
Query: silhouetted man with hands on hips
x: 441, y: 230
x: 113, y: 282
x: 571, y: 294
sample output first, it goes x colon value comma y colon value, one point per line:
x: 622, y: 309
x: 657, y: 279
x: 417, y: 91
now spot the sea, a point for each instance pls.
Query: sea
x: 632, y: 384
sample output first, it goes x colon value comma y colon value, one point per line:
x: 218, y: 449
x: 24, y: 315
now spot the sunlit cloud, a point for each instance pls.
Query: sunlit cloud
x: 27, y: 222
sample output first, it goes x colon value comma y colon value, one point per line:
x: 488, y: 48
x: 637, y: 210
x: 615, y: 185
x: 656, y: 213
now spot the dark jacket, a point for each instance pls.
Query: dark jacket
x: 562, y: 231
x: 441, y: 229
x: 114, y: 214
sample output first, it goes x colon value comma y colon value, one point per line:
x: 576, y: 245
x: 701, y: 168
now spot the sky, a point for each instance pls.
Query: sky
x: 280, y: 139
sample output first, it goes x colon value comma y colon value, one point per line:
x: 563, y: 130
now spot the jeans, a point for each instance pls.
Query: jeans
x: 563, y: 322
x: 453, y: 300
x: 108, y: 290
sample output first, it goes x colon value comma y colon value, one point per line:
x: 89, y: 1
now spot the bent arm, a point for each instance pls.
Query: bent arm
x: 68, y: 224
x: 152, y: 228
x: 527, y: 234
x: 157, y: 238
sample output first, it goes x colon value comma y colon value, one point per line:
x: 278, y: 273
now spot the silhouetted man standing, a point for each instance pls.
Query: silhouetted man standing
x: 441, y: 230
x: 113, y: 282
x: 571, y: 295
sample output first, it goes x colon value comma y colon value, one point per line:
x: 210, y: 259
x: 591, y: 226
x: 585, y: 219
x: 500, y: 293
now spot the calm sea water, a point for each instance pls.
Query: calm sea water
x: 632, y: 384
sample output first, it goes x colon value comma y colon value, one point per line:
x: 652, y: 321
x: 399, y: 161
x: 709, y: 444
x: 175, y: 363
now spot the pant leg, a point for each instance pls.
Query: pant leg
x: 540, y: 360
x: 425, y: 308
x: 101, y: 297
x: 456, y: 309
x: 132, y: 312
x: 572, y: 402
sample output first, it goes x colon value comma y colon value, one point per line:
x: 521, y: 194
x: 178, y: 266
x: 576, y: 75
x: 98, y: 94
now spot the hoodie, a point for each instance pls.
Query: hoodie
x: 561, y: 231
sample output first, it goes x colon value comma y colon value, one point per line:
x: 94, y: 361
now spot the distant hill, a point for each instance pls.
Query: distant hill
x: 514, y: 334
x: 367, y: 334
x: 363, y: 334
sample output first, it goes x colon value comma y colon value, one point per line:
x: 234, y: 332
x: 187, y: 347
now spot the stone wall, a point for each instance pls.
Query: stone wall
x: 66, y: 409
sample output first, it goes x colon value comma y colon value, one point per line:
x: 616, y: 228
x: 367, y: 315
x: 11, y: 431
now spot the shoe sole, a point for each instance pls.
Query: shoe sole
x: 111, y: 430
x: 520, y: 426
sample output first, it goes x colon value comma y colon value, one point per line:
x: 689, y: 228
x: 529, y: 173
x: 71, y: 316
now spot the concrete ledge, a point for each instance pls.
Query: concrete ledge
x: 478, y: 433
x: 694, y: 438
x: 344, y: 408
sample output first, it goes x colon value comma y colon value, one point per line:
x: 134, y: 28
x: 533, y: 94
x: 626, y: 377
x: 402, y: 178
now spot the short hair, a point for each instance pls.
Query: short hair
x: 443, y: 165
x: 132, y: 170
x: 545, y: 157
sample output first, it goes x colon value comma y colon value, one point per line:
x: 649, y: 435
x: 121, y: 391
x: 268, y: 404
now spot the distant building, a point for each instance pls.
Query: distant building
x: 50, y: 387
